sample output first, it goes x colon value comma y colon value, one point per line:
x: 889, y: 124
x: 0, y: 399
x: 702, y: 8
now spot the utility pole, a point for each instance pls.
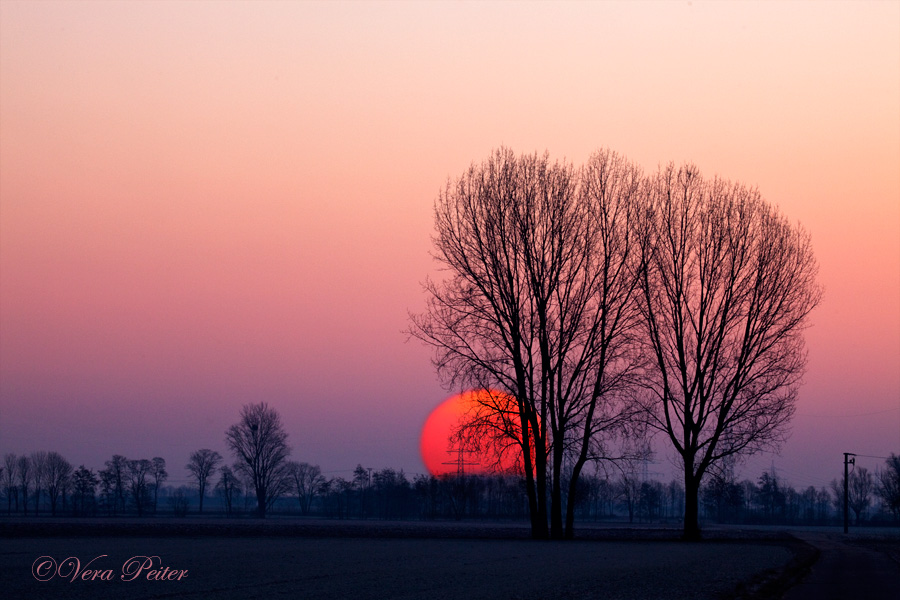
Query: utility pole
x: 847, y: 461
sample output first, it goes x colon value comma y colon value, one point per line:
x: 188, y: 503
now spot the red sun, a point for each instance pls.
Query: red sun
x: 440, y: 454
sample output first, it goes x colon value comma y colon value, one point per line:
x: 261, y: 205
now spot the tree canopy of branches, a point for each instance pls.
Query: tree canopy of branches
x: 259, y: 444
x: 202, y: 464
x: 538, y: 304
x: 726, y: 289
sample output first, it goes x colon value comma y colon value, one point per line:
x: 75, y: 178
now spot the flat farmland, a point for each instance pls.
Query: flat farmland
x: 375, y: 561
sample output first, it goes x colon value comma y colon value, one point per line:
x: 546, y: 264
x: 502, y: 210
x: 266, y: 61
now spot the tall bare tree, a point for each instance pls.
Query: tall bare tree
x: 538, y: 306
x: 727, y: 287
x: 259, y: 444
x: 202, y: 464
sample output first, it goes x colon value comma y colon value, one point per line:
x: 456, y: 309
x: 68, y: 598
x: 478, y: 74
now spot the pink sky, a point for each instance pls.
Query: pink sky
x: 209, y: 204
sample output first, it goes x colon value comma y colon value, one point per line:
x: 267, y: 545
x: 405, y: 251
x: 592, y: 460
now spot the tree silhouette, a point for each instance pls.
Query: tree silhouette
x: 159, y: 474
x: 58, y: 473
x: 23, y: 470
x: 113, y: 480
x: 860, y: 491
x: 228, y: 485
x: 888, y: 484
x: 259, y: 444
x: 539, y: 306
x: 307, y: 480
x: 84, y: 483
x: 727, y: 287
x: 202, y: 464
x: 9, y: 481
x: 138, y: 474
x: 38, y: 476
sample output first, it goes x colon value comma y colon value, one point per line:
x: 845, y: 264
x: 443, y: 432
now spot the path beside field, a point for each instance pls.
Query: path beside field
x: 849, y: 568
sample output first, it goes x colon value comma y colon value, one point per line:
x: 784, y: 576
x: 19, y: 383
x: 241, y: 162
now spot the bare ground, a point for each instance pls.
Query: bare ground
x: 329, y: 559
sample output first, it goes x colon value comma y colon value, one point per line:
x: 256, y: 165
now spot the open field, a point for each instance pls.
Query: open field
x: 377, y: 560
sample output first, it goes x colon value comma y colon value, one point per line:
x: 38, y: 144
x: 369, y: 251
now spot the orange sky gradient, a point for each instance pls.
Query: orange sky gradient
x: 208, y: 204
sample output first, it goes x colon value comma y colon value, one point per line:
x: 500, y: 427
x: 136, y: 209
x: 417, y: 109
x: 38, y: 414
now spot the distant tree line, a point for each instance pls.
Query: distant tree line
x: 46, y: 484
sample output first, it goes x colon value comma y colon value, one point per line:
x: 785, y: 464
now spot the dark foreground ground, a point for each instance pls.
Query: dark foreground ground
x: 377, y: 561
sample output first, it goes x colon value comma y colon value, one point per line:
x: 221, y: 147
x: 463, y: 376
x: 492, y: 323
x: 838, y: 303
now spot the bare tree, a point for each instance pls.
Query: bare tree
x: 159, y: 474
x: 113, y: 481
x: 727, y: 287
x: 259, y: 444
x: 203, y: 463
x: 229, y: 485
x: 888, y: 484
x: 23, y: 470
x: 58, y: 473
x: 139, y: 487
x: 85, y: 484
x: 9, y: 481
x: 860, y: 491
x: 38, y: 476
x: 307, y: 480
x: 538, y: 306
x: 628, y: 489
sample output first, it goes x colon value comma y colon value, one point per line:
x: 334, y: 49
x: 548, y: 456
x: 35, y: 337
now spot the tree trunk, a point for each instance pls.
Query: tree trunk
x: 539, y: 524
x: 556, y: 523
x: 571, y: 499
x: 261, y: 502
x: 691, y: 504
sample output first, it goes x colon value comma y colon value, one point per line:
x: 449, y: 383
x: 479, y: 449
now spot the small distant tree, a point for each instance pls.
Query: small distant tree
x: 860, y: 491
x: 770, y: 495
x: 38, y: 476
x: 179, y: 500
x: 259, y: 444
x: 159, y: 474
x: 9, y: 481
x: 58, y: 472
x: 202, y: 465
x: 84, y: 485
x: 114, y: 481
x: 229, y: 486
x: 889, y: 485
x: 23, y: 470
x: 307, y: 479
x: 139, y: 485
x: 628, y: 489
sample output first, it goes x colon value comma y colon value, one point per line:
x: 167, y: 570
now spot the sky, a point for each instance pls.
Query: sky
x: 208, y: 204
